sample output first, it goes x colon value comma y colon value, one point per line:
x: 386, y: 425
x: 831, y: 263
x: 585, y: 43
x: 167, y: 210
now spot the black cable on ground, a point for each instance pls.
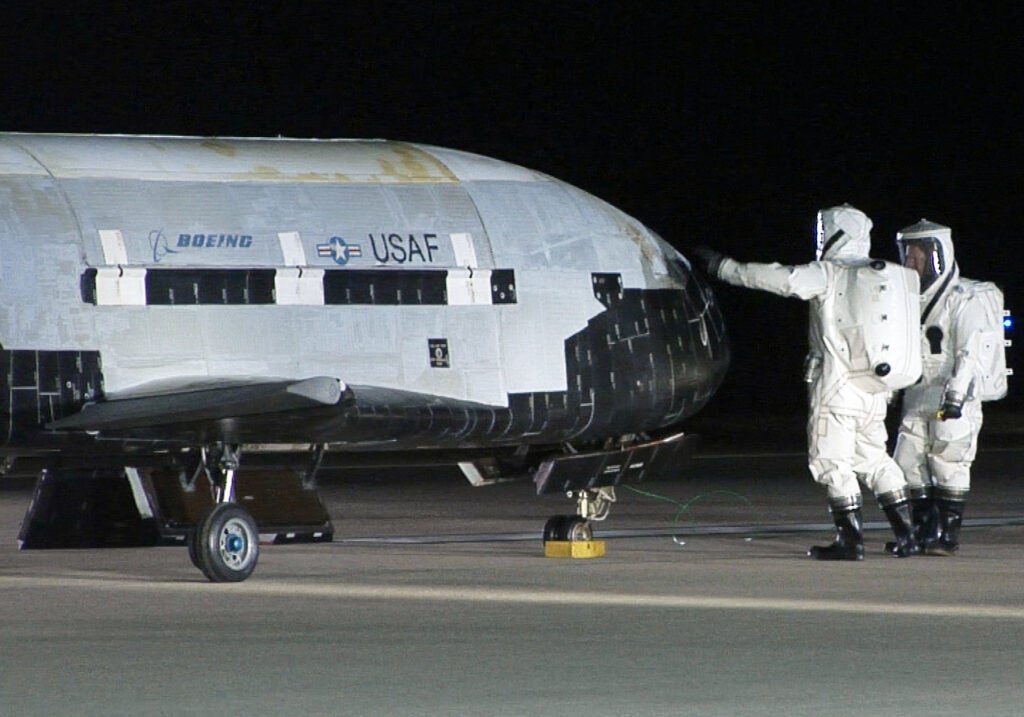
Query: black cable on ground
x: 685, y: 506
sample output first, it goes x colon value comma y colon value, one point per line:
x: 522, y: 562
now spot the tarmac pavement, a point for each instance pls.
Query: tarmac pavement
x: 736, y: 624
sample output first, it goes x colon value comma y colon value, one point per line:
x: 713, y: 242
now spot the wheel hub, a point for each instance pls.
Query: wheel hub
x: 235, y: 548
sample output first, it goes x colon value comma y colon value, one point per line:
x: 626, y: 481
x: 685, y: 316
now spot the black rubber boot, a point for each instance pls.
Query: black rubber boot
x: 849, y: 541
x: 951, y: 514
x: 925, y: 516
x: 905, y: 544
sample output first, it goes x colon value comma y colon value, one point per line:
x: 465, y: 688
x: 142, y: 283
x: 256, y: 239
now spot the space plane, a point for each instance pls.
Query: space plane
x: 190, y: 305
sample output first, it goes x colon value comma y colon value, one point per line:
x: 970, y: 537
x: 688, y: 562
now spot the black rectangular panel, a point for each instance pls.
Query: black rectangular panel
x: 388, y: 287
x: 23, y: 369
x: 37, y: 387
x: 503, y: 286
x: 209, y: 286
x: 607, y: 288
x: 439, y: 355
x: 87, y: 284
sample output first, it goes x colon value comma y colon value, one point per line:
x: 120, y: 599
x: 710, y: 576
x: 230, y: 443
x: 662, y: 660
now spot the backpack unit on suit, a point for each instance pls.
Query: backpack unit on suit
x: 880, y: 324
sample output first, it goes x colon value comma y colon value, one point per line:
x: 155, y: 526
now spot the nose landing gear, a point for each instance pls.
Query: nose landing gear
x: 592, y: 504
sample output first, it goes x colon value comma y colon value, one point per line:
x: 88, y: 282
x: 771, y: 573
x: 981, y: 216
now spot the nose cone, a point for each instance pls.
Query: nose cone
x: 694, y: 336
x: 703, y: 346
x: 653, y: 357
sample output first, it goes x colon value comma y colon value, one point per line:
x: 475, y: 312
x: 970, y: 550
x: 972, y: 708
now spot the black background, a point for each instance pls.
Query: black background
x: 725, y: 124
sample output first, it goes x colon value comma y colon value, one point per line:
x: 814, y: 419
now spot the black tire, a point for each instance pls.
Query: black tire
x: 227, y: 544
x: 553, y: 528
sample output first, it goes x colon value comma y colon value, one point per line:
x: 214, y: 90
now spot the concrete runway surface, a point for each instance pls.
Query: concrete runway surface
x: 722, y: 625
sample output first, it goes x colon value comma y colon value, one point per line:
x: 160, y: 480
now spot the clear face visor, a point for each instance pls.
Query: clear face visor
x: 823, y: 243
x: 923, y: 255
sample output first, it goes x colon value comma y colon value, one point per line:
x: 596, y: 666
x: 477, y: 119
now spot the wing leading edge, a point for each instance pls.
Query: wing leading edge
x: 313, y: 410
x: 209, y: 400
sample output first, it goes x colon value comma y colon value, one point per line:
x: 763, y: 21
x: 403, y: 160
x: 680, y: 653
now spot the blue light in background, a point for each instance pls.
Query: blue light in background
x: 1007, y: 323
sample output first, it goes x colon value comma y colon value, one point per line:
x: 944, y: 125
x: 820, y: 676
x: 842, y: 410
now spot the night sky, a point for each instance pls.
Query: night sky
x: 723, y: 124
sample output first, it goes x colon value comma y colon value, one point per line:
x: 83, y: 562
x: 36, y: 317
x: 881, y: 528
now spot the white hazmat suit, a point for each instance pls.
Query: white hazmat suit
x: 846, y: 427
x: 942, y: 416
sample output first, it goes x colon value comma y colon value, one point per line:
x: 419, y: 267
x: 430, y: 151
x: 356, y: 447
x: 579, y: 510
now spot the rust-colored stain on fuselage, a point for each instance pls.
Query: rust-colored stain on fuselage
x: 396, y: 163
x: 224, y: 149
x: 415, y: 165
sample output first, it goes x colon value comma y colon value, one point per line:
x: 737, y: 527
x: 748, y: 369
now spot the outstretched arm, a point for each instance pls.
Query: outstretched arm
x: 805, y: 281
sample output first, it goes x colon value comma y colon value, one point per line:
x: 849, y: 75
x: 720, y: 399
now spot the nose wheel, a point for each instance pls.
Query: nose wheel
x: 591, y: 504
x: 568, y: 527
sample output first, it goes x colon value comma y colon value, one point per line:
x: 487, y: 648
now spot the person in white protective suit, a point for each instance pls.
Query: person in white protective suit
x: 938, y: 434
x: 846, y: 427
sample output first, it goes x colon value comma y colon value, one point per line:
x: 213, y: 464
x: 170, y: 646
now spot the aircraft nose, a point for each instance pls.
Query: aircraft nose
x: 703, y: 314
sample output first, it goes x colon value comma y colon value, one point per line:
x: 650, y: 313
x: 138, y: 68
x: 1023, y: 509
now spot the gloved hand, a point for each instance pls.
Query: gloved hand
x: 952, y: 406
x: 708, y: 259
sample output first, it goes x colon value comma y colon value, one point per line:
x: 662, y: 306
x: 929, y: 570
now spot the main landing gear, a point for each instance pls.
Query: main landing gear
x: 225, y: 543
x: 592, y: 504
